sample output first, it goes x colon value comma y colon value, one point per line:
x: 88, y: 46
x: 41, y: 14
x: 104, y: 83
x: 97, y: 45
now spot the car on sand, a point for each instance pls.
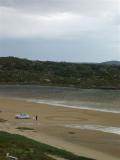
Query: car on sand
x: 22, y: 116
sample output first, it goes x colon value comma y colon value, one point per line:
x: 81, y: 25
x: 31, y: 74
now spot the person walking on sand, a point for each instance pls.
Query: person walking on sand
x: 36, y: 117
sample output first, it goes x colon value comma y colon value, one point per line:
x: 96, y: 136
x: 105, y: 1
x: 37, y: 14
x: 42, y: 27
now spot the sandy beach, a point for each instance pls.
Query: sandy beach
x: 53, y: 128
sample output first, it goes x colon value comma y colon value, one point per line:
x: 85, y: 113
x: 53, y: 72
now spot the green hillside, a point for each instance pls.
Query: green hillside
x: 28, y: 149
x: 22, y: 71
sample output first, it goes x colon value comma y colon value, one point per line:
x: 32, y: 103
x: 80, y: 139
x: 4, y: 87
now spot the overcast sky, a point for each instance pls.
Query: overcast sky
x: 60, y: 30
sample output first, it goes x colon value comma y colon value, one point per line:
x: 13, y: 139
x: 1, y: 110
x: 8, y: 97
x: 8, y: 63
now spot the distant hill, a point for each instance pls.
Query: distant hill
x: 22, y: 71
x: 112, y: 63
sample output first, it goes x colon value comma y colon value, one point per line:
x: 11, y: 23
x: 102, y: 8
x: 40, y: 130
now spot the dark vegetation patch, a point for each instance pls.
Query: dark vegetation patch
x: 28, y: 149
x: 22, y: 71
x: 71, y: 132
x: 2, y: 120
x: 25, y: 128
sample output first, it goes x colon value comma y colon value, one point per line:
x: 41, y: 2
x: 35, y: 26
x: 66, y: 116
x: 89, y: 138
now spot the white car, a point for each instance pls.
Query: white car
x: 22, y: 116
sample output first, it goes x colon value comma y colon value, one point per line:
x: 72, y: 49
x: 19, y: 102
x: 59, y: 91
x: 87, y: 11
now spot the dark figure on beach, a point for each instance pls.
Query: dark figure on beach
x: 36, y: 118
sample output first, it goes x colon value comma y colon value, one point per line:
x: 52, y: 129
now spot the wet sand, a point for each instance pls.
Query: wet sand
x: 50, y: 128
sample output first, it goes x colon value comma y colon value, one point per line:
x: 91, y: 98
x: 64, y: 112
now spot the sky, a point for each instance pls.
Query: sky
x: 60, y: 30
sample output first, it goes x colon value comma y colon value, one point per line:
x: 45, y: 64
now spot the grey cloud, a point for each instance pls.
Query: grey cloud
x: 72, y: 18
x: 52, y: 6
x: 88, y: 31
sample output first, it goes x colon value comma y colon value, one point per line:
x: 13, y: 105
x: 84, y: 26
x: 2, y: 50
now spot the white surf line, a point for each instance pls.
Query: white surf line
x: 94, y: 127
x: 58, y: 103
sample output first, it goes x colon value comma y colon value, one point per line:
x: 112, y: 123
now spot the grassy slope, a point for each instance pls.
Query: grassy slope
x: 23, y: 71
x: 28, y: 149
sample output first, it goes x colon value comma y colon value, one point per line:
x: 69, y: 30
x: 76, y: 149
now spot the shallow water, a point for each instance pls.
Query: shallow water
x: 77, y: 105
x: 90, y: 99
x: 94, y: 127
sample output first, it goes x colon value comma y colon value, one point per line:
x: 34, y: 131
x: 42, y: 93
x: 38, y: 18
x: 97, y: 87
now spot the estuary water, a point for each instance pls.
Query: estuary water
x: 88, y: 99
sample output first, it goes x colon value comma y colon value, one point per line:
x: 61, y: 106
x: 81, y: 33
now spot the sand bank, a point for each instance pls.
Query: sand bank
x: 50, y: 128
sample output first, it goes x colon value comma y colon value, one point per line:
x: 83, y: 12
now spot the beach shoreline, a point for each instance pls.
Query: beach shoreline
x: 50, y: 128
